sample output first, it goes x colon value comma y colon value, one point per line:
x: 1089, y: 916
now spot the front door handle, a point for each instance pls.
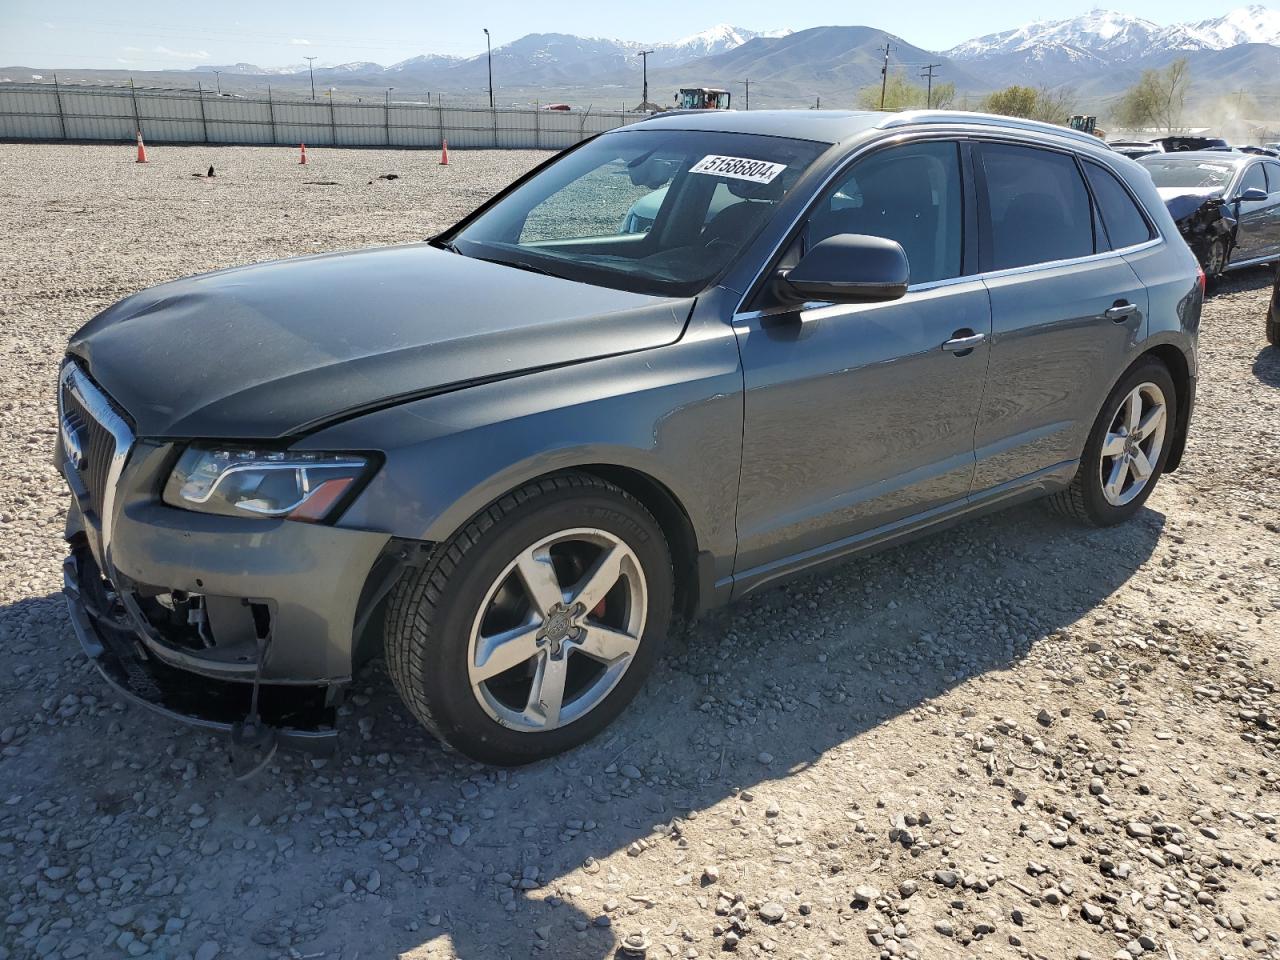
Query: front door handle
x: 963, y: 342
x: 1120, y: 311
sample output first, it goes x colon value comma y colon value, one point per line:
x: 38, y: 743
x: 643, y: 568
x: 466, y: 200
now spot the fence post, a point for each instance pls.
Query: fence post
x: 440, y: 123
x: 537, y: 127
x: 271, y: 115
x: 495, y: 129
x: 204, y: 123
x: 57, y: 96
x: 333, y: 124
x: 137, y: 121
x: 386, y: 119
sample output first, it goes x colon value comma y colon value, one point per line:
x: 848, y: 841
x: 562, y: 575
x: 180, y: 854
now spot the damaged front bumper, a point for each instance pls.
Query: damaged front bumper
x: 226, y: 623
x: 300, y: 716
x: 1204, y: 222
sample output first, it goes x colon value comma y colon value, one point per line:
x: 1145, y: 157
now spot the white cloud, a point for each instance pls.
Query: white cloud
x: 300, y: 43
x: 182, y: 54
x: 49, y: 26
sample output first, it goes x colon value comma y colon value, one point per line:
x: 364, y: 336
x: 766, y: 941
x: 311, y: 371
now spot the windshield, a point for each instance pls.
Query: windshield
x: 651, y: 211
x: 1187, y: 173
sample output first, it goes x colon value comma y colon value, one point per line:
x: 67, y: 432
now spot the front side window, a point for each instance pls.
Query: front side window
x: 1273, y: 176
x: 1124, y: 222
x: 653, y: 211
x: 1253, y: 179
x: 910, y: 194
x: 1037, y: 207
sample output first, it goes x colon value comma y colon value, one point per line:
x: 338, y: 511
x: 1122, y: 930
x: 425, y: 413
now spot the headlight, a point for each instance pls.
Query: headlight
x: 266, y: 483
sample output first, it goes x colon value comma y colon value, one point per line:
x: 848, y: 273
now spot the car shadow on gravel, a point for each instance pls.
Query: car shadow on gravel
x: 1266, y: 366
x: 393, y: 843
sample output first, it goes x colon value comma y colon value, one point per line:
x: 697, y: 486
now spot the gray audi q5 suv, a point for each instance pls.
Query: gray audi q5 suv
x: 510, y: 458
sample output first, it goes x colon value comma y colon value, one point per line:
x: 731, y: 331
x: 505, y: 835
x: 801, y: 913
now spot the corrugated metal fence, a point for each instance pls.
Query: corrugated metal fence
x: 46, y: 111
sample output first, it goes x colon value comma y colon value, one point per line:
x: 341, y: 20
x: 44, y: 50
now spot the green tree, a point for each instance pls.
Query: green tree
x: 1015, y: 101
x: 901, y: 94
x: 1156, y: 100
x: 1051, y: 106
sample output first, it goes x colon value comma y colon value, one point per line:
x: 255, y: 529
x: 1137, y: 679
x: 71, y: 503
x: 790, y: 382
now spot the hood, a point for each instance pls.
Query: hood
x: 275, y: 349
x: 1182, y: 202
x: 1172, y: 193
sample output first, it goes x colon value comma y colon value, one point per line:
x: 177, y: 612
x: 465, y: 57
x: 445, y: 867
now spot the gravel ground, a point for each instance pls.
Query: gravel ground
x: 1016, y: 738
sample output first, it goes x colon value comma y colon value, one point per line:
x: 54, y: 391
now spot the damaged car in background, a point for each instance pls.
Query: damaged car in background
x: 1226, y: 205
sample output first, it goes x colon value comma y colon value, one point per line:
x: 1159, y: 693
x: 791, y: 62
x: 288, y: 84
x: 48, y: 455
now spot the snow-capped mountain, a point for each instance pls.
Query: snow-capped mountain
x: 1110, y: 37
x: 1253, y: 24
x: 721, y: 38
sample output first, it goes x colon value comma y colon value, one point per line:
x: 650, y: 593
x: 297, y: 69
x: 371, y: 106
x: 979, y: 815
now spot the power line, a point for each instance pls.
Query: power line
x: 928, y: 73
x: 884, y: 74
x: 644, y: 56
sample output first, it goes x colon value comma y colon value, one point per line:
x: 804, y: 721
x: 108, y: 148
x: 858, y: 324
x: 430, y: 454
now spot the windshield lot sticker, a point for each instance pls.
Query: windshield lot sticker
x: 739, y: 168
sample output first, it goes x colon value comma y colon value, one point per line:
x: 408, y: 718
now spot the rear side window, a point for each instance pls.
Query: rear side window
x: 1037, y: 207
x: 1125, y: 224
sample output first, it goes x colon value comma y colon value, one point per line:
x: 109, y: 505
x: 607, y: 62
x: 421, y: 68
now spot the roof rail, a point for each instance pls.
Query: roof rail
x: 910, y: 118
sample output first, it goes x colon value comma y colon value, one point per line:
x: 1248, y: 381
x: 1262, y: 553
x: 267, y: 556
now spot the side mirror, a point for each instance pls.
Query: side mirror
x: 1253, y: 195
x: 848, y: 268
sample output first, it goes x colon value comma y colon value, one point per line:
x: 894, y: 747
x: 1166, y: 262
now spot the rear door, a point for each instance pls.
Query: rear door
x: 1067, y: 312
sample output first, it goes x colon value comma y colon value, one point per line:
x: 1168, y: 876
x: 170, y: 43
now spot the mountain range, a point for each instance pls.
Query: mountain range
x: 1096, y: 55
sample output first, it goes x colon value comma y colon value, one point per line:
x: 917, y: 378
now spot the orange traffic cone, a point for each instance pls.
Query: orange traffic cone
x: 444, y: 153
x: 142, y: 149
x: 302, y: 159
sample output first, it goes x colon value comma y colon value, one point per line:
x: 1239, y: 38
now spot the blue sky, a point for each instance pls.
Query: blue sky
x: 166, y: 34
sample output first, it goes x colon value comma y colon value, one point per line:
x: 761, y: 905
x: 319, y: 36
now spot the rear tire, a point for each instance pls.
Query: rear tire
x: 531, y: 629
x: 1126, y: 450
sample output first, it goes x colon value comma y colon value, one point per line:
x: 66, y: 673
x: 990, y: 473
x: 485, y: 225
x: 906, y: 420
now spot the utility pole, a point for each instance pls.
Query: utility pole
x: 747, y: 84
x: 927, y: 72
x: 489, y: 49
x: 311, y: 67
x: 217, y: 75
x: 884, y: 73
x: 644, y: 70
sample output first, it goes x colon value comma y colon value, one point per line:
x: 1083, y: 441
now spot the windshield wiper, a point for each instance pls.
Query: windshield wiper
x: 445, y: 245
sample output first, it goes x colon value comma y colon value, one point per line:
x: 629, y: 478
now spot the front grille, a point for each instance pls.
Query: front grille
x: 96, y: 439
x: 98, y: 447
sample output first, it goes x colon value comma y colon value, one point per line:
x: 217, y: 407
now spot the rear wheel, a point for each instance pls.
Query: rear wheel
x: 1126, y: 450
x: 530, y: 630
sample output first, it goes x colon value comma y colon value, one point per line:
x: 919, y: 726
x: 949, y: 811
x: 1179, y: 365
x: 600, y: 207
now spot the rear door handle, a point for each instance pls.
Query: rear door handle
x: 963, y: 344
x: 1120, y: 311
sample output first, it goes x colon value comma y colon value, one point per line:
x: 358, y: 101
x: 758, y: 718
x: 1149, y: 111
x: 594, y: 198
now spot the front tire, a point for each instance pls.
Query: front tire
x: 531, y: 629
x: 1126, y: 450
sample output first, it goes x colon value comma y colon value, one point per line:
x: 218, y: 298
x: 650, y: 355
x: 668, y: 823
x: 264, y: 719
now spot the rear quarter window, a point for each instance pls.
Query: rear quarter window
x: 1123, y: 219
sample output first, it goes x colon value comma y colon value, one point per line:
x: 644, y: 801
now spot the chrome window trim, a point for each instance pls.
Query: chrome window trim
x: 73, y: 380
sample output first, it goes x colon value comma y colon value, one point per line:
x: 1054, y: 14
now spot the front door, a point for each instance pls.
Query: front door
x: 857, y: 417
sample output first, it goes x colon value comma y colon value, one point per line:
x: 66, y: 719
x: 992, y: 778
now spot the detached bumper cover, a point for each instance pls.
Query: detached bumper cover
x: 302, y: 716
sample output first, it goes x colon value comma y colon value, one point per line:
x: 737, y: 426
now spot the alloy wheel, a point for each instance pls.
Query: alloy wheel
x: 1133, y: 444
x: 557, y: 630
